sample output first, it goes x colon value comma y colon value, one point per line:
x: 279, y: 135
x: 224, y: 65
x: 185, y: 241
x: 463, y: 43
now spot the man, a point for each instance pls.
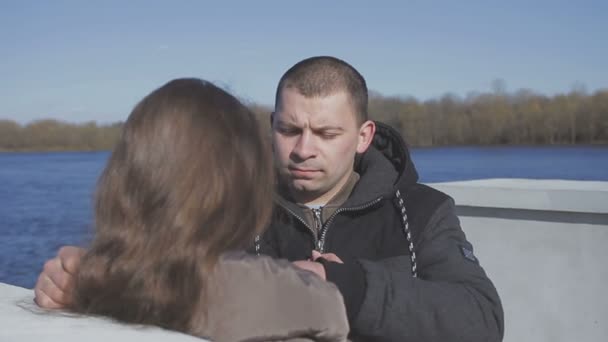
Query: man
x: 349, y: 209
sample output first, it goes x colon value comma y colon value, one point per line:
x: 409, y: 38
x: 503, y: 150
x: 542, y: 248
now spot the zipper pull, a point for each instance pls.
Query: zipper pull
x: 318, y: 221
x: 318, y: 226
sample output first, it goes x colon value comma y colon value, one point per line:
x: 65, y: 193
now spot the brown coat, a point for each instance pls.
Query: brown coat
x: 262, y: 299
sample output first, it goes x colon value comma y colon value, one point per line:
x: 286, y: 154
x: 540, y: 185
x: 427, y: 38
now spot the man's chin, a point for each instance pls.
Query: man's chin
x: 303, y: 185
x: 304, y: 192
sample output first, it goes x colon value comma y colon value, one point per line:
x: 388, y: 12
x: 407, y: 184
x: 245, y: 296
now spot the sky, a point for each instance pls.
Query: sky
x: 80, y: 61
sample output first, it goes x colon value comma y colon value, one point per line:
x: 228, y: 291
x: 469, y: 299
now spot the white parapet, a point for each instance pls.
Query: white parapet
x: 530, y: 194
x: 22, y: 321
x: 543, y: 244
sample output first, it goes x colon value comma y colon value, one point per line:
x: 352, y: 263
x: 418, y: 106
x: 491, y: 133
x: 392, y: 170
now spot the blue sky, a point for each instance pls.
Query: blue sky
x: 93, y: 60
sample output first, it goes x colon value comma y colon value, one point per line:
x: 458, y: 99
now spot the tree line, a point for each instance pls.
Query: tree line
x: 522, y: 118
x: 54, y: 135
x: 496, y: 118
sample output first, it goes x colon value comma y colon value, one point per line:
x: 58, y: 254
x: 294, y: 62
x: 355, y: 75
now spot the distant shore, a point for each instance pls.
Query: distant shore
x: 50, y: 150
x: 523, y: 118
x: 84, y: 150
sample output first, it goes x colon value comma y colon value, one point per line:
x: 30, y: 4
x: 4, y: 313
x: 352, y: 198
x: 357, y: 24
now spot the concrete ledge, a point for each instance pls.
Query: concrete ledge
x: 542, y: 242
x: 22, y: 321
x: 533, y: 215
x: 530, y: 194
x: 551, y: 276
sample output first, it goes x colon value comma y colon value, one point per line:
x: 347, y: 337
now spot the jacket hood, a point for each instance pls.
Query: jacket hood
x: 383, y: 167
x: 395, y: 149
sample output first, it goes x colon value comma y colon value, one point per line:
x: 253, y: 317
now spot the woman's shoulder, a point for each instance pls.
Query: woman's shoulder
x: 245, y: 273
x: 265, y: 268
x: 270, y: 297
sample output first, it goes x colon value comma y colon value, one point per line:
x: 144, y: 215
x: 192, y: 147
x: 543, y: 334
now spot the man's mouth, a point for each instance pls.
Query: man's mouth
x: 305, y: 173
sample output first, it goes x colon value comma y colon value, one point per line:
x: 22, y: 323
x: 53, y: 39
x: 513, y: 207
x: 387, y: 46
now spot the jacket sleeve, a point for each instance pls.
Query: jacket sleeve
x: 265, y: 244
x: 451, y: 300
x: 272, y: 300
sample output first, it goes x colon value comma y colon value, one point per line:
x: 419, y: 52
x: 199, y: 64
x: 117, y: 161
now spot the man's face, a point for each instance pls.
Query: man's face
x: 314, y: 142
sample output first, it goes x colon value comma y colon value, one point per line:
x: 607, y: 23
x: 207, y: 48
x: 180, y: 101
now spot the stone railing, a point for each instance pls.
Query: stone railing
x: 542, y: 242
x: 22, y: 321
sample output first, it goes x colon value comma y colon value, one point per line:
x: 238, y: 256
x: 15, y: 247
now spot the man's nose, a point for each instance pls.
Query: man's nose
x: 305, y: 147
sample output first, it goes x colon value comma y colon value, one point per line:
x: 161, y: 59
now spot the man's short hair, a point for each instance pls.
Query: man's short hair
x: 323, y: 76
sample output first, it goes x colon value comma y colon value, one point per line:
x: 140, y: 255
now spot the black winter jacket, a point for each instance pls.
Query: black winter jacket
x: 409, y: 274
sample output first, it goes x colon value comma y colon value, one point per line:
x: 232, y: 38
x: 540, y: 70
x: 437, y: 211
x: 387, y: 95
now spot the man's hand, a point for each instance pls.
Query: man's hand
x: 56, y: 282
x: 327, y: 256
x: 312, y: 266
x: 317, y: 267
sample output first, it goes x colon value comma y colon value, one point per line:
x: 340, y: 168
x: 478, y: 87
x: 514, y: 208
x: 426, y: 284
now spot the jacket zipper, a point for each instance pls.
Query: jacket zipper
x: 319, y: 237
x: 318, y: 225
x: 323, y: 233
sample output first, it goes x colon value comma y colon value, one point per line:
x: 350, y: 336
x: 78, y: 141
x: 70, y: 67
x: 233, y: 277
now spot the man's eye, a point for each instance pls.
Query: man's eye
x: 288, y: 131
x: 329, y: 135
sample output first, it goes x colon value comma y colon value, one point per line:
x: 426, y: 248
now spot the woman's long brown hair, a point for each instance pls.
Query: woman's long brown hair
x: 190, y: 179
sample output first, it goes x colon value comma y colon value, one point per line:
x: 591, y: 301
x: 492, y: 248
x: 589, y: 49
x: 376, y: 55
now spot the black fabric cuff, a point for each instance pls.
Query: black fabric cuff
x: 350, y: 280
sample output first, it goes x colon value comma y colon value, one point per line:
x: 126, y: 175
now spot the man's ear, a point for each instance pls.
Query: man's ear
x: 271, y: 118
x: 366, y: 135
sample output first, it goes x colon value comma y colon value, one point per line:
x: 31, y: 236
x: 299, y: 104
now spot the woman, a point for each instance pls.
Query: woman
x: 185, y: 191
